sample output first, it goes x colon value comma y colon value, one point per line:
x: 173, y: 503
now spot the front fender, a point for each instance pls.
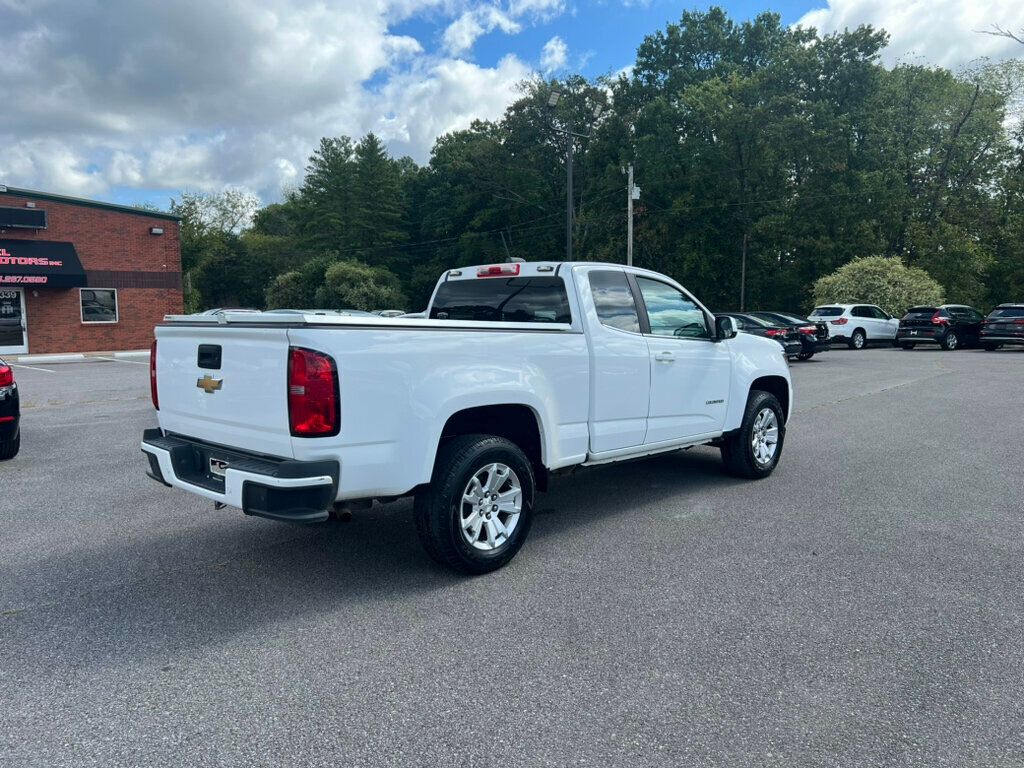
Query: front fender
x: 753, y: 358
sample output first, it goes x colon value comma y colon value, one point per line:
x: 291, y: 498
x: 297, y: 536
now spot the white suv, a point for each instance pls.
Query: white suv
x: 857, y: 324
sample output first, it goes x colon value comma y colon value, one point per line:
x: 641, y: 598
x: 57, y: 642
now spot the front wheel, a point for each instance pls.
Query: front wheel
x: 990, y: 347
x: 858, y: 340
x: 753, y: 450
x: 950, y: 341
x: 475, y: 514
x: 907, y: 346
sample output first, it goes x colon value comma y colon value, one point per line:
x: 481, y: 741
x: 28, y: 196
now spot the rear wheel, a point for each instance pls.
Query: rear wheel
x: 9, y: 448
x: 858, y: 340
x: 477, y: 511
x: 950, y: 341
x: 990, y: 347
x: 906, y: 346
x: 753, y: 450
x: 805, y: 356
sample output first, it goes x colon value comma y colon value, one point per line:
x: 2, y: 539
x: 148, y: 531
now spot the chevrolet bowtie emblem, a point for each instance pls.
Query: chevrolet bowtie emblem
x: 208, y: 384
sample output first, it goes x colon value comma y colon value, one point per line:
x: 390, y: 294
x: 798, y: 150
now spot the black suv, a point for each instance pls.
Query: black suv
x: 1004, y: 325
x: 950, y: 326
x: 10, y: 414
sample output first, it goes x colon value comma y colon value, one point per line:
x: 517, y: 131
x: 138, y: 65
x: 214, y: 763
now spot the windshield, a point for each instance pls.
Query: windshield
x: 827, y: 312
x: 779, y: 317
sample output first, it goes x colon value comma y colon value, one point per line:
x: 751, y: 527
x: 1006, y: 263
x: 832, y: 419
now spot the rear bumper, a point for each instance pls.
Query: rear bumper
x: 280, y: 489
x: 921, y: 337
x: 10, y: 413
x: 816, y: 345
x: 994, y: 339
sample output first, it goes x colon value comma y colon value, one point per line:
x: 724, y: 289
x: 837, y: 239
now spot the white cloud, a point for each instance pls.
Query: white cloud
x: 943, y: 32
x: 463, y: 33
x: 554, y: 55
x: 202, y: 95
x: 538, y: 9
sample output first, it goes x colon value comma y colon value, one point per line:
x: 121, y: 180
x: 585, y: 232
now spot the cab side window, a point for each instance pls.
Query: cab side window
x: 613, y: 300
x: 671, y: 312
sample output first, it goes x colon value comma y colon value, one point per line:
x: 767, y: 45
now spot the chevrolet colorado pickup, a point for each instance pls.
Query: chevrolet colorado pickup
x: 517, y: 371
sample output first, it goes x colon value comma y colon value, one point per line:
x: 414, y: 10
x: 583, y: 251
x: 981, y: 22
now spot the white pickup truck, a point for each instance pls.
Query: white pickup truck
x: 517, y: 371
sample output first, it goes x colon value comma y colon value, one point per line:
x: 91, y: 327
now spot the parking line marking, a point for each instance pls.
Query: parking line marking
x: 31, y: 367
x: 118, y: 360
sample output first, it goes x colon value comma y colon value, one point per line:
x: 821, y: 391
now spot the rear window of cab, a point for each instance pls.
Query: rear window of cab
x: 1007, y: 312
x: 500, y: 299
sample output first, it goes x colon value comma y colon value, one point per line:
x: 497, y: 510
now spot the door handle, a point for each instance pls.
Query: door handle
x: 665, y: 357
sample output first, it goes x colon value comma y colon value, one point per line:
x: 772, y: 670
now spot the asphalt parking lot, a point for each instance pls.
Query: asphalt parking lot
x: 862, y: 607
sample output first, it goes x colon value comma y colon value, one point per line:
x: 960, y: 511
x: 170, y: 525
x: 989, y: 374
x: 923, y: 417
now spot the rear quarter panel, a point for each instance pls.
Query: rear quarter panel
x: 400, y: 386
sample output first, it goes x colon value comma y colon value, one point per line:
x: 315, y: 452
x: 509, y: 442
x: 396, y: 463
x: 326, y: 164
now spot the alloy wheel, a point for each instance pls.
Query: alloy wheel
x: 491, y: 506
x: 764, y: 438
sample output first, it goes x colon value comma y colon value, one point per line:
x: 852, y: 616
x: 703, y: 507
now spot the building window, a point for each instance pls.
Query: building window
x: 99, y: 305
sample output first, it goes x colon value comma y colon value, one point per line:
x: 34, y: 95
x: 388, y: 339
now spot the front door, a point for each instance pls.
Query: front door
x: 690, y: 372
x: 13, y: 338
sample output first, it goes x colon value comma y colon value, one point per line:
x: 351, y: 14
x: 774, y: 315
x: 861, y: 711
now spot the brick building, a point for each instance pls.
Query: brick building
x: 83, y: 276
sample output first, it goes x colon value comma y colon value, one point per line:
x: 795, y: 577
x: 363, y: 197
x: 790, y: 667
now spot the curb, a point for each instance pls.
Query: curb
x: 77, y: 357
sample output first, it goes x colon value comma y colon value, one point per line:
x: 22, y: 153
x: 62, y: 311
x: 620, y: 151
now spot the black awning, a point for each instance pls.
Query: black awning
x: 40, y: 264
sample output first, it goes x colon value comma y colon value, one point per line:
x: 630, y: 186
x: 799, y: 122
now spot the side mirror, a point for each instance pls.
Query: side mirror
x: 725, y: 328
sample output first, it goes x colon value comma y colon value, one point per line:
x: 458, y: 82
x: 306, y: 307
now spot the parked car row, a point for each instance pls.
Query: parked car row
x: 948, y: 326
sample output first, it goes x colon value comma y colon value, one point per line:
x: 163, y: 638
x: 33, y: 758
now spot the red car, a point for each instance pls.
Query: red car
x: 10, y: 414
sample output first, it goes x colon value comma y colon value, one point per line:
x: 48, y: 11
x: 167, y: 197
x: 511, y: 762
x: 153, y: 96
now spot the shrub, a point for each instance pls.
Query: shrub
x: 886, y: 282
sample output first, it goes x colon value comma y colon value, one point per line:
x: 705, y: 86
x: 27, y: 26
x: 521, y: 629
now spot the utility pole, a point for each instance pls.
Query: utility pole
x: 743, y: 274
x: 568, y: 191
x: 569, y: 134
x: 632, y: 193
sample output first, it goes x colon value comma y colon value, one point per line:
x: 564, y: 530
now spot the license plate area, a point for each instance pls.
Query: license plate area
x: 217, y: 467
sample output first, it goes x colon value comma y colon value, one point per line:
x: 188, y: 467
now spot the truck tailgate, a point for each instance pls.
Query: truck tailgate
x: 239, y: 400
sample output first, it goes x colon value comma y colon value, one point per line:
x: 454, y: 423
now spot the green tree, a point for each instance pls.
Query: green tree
x: 353, y: 285
x: 884, y: 281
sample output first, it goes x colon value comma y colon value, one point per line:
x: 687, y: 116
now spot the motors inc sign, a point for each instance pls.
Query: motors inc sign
x: 40, y: 263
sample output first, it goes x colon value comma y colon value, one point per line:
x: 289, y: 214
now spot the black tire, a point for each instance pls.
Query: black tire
x: 858, y: 340
x: 906, y: 346
x: 438, y: 507
x: 738, y: 450
x: 990, y: 347
x: 9, y: 448
x: 950, y: 341
x: 805, y: 356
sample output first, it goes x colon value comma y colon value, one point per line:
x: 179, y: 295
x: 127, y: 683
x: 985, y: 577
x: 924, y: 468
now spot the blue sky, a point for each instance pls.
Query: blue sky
x: 137, y: 100
x: 602, y: 37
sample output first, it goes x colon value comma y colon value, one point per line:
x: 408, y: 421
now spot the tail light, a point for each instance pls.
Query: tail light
x: 775, y: 332
x: 810, y: 330
x: 6, y: 376
x: 938, y: 319
x: 1019, y: 321
x: 499, y: 270
x: 314, y: 404
x: 840, y: 321
x: 152, y: 376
